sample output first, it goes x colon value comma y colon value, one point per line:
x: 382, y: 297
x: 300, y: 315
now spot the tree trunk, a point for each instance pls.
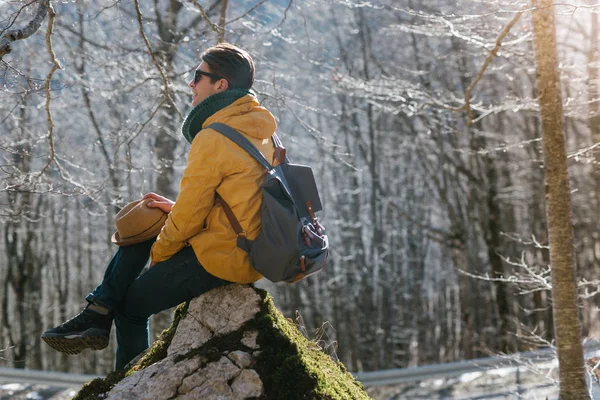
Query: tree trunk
x: 567, y: 327
x: 594, y: 118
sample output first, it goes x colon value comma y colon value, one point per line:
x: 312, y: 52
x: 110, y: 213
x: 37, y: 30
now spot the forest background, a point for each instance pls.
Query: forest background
x: 433, y: 188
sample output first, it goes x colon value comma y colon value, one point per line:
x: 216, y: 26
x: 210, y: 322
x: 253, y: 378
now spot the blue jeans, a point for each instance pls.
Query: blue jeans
x: 132, y: 298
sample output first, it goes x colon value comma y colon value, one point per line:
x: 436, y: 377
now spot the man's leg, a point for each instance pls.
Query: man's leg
x: 91, y: 327
x: 165, y: 285
x: 122, y: 270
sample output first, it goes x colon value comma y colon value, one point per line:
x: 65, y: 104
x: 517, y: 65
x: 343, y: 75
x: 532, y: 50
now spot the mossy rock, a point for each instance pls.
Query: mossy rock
x: 289, y: 365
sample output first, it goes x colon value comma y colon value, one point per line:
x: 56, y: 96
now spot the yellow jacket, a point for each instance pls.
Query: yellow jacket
x: 216, y: 164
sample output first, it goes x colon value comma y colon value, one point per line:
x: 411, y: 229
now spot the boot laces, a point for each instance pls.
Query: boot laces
x: 83, y: 318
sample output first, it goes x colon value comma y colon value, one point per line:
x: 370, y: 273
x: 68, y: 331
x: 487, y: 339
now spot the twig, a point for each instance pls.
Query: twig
x: 534, y: 241
x: 16, y: 15
x: 18, y: 34
x: 284, y: 14
x: 9, y: 115
x: 6, y: 349
x: 221, y: 30
x: 487, y: 62
x: 222, y: 20
x: 497, y: 149
x: 55, y: 66
x: 112, y: 47
x: 103, y: 148
x: 254, y: 7
x: 528, y: 282
x: 142, y: 126
x: 162, y: 74
x: 214, y: 27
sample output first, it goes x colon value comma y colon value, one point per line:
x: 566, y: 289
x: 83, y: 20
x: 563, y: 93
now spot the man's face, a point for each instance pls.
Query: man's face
x: 203, y: 87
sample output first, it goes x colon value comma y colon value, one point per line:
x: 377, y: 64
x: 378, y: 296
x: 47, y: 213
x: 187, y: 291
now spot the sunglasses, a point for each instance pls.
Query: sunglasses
x: 198, y: 75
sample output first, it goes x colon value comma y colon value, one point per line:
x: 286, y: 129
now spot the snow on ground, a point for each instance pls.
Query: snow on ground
x: 22, y: 391
x: 529, y: 382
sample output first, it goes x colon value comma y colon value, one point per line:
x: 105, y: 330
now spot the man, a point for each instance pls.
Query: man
x: 196, y: 249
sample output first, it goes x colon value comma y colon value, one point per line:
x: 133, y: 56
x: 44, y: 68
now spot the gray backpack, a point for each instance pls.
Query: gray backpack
x: 292, y: 244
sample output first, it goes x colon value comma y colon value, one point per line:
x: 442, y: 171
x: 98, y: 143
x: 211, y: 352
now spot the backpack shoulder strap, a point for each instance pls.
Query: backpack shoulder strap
x: 236, y: 137
x: 276, y: 140
x: 241, y: 141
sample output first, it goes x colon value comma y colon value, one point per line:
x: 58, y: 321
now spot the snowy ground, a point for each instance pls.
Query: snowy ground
x: 20, y: 391
x: 524, y: 383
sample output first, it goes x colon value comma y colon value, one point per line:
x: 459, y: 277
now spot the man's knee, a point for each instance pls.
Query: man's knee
x: 131, y: 313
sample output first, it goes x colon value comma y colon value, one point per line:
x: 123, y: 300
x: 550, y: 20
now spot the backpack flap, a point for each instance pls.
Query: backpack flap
x: 301, y: 182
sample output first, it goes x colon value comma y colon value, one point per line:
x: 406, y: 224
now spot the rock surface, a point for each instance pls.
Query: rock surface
x: 225, y: 310
x: 230, y: 343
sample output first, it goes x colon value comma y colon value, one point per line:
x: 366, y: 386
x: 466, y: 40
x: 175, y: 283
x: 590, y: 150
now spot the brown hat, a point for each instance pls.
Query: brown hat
x: 137, y: 222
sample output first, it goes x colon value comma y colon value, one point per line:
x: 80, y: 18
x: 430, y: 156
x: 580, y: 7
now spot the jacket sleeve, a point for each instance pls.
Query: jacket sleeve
x: 196, y: 197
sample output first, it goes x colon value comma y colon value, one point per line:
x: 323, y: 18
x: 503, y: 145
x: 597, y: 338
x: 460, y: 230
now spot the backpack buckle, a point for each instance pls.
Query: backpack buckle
x: 241, y: 235
x: 279, y: 155
x: 313, y: 217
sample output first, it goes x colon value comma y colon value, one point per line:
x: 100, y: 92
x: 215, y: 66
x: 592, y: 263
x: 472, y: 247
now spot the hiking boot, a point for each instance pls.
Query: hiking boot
x: 87, y: 330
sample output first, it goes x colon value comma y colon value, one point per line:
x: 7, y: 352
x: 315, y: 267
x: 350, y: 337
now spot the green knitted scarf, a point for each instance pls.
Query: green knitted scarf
x: 194, y: 120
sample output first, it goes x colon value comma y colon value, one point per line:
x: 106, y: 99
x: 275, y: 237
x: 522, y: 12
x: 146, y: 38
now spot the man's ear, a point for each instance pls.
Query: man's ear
x: 223, y: 85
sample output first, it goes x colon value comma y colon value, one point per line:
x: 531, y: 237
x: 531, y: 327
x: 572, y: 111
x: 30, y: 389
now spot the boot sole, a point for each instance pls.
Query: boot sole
x: 76, y: 345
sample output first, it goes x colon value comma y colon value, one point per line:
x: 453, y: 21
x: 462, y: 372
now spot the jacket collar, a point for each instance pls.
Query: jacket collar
x: 212, y: 104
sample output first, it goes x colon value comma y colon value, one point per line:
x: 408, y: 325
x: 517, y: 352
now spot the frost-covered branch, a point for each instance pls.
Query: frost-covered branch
x: 487, y: 62
x: 165, y: 80
x: 12, y: 35
x: 534, y: 241
x: 55, y: 66
x: 529, y: 281
x: 214, y: 27
x: 584, y: 287
x: 141, y: 127
x: 15, y: 16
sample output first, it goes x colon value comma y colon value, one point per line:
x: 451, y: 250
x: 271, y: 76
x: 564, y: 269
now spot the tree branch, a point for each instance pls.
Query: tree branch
x: 254, y: 7
x: 214, y: 27
x: 167, y: 90
x: 18, y: 34
x: 284, y: 14
x: 222, y: 20
x: 194, y: 23
x: 88, y: 103
x: 141, y: 127
x: 55, y: 66
x: 111, y: 47
x: 159, y: 22
x: 487, y: 62
x: 15, y: 16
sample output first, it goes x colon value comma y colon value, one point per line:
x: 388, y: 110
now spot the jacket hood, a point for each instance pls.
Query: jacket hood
x: 246, y: 115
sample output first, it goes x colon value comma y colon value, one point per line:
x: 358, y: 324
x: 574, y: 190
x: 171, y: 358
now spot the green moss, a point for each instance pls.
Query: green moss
x: 293, y: 367
x: 158, y: 351
x: 92, y: 389
x: 290, y: 366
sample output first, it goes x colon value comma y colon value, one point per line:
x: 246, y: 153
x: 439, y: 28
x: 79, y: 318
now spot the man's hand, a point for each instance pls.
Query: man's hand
x: 159, y: 201
x: 152, y: 264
